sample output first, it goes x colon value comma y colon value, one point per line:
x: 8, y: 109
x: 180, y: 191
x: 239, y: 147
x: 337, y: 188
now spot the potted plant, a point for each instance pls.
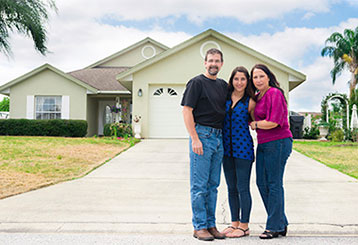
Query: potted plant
x: 137, y: 127
x: 323, y: 130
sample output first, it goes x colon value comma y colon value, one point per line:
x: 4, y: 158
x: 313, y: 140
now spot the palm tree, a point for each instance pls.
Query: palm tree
x: 344, y: 51
x: 27, y: 17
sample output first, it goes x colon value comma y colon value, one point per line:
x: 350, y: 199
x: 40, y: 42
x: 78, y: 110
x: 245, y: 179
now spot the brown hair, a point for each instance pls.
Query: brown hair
x: 214, y: 51
x: 249, y: 91
x: 272, y: 78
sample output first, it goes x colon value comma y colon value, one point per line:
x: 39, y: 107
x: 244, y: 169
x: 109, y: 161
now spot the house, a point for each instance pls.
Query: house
x: 146, y: 79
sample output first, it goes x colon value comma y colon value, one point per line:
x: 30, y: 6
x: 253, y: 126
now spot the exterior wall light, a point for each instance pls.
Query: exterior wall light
x: 140, y: 93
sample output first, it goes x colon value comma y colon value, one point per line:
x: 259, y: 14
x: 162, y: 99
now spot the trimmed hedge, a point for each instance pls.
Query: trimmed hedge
x: 53, y: 127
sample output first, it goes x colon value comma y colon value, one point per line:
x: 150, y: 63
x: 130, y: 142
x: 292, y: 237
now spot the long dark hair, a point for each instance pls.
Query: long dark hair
x: 249, y: 91
x: 272, y: 78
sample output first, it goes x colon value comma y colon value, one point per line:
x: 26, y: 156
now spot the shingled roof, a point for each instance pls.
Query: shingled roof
x: 101, y: 78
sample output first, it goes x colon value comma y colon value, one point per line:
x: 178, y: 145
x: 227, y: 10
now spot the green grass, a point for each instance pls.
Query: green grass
x: 342, y: 156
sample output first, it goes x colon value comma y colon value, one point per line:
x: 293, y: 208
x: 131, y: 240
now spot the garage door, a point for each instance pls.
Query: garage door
x: 165, y: 112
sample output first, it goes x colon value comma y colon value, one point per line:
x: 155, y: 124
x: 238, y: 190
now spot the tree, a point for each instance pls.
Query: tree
x: 344, y: 51
x: 5, y: 104
x: 27, y: 17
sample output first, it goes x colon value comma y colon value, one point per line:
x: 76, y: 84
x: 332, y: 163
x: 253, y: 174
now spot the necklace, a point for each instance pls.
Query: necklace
x: 263, y: 93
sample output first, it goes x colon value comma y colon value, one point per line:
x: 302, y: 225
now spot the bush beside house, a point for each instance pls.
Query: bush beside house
x: 118, y: 130
x: 53, y: 127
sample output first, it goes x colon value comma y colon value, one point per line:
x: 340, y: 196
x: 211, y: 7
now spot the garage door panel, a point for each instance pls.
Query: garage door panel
x: 165, y: 120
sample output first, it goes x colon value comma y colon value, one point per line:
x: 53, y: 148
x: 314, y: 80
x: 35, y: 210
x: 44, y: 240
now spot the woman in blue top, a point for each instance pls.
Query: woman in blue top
x: 238, y: 151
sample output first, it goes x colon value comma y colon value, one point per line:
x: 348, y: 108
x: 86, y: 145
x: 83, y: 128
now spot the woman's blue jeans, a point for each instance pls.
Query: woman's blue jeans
x: 237, y: 174
x: 271, y: 158
x: 205, y: 176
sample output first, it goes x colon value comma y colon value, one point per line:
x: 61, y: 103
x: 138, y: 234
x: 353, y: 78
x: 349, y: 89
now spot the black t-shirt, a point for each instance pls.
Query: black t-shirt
x: 207, y: 97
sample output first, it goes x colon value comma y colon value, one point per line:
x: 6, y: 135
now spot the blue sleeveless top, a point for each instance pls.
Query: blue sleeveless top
x: 236, y: 134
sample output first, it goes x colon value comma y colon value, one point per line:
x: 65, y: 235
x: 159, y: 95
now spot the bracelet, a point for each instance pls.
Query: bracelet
x: 255, y: 124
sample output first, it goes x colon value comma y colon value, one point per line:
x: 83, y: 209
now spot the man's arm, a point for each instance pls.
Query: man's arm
x: 196, y: 144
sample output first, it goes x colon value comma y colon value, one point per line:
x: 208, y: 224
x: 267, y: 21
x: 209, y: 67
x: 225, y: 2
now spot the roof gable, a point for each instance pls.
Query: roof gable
x: 145, y: 43
x: 298, y: 75
x: 42, y: 68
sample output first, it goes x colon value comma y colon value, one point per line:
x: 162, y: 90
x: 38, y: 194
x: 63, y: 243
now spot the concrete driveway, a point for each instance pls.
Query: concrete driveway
x: 145, y: 190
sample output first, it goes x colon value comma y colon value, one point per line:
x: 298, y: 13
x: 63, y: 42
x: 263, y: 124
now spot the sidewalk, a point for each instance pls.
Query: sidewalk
x: 145, y: 190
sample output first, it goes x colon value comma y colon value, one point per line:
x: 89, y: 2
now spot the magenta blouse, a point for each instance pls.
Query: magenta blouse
x: 272, y: 107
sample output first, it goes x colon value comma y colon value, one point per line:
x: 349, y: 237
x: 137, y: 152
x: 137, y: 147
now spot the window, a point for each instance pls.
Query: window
x: 158, y: 92
x: 172, y: 92
x: 48, y: 107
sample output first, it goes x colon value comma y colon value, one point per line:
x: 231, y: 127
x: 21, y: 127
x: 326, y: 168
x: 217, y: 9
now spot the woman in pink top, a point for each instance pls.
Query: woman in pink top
x: 274, y: 147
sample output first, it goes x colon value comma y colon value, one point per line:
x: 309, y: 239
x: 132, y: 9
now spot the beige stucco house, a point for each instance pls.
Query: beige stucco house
x: 146, y: 79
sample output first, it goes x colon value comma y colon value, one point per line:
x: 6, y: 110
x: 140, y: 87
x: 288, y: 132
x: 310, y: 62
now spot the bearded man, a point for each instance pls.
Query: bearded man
x: 204, y: 111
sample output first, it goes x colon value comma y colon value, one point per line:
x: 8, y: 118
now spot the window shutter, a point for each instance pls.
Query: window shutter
x: 65, y: 110
x: 30, y: 105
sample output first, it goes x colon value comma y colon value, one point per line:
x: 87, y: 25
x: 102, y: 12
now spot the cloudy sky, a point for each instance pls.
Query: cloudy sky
x: 291, y: 31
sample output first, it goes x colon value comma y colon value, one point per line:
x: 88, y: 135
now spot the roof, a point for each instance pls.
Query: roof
x: 115, y: 55
x: 51, y: 68
x: 297, y: 76
x: 101, y: 78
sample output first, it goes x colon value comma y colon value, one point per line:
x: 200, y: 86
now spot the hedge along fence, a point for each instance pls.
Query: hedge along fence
x: 53, y: 127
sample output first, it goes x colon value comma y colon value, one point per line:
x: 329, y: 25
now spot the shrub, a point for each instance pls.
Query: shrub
x: 118, y: 130
x: 107, y: 130
x: 337, y: 136
x: 355, y: 135
x: 54, y: 127
x: 312, y: 133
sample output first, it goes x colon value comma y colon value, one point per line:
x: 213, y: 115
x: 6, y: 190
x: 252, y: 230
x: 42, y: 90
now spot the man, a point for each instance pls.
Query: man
x: 204, y: 110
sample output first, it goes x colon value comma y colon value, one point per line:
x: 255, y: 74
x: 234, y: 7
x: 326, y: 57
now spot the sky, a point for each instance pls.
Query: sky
x: 292, y: 32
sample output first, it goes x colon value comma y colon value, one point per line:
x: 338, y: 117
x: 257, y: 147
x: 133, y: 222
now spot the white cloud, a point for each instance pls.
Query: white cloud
x: 293, y: 44
x: 352, y: 2
x: 308, y: 16
x: 74, y: 46
x: 247, y: 11
x: 308, y: 96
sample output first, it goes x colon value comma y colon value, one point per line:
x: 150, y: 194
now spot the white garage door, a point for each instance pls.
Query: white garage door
x: 165, y: 112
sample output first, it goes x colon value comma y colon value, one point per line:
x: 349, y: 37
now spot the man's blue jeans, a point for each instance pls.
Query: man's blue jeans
x: 271, y: 158
x: 205, y: 176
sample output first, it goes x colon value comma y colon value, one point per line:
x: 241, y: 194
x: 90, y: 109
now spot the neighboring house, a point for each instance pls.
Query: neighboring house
x: 309, y: 116
x: 146, y: 79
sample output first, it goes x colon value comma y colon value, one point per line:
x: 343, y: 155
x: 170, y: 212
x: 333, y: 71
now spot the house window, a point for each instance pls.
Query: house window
x: 158, y: 92
x: 48, y: 107
x: 172, y: 92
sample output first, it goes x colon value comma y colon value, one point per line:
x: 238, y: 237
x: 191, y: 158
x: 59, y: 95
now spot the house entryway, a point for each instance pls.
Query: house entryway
x: 113, y: 109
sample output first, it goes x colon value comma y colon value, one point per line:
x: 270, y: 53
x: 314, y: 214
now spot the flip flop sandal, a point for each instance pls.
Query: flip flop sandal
x: 226, y: 230
x: 244, y: 234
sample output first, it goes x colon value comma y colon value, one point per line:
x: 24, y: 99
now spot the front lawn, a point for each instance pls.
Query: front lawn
x: 342, y: 156
x: 28, y: 163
